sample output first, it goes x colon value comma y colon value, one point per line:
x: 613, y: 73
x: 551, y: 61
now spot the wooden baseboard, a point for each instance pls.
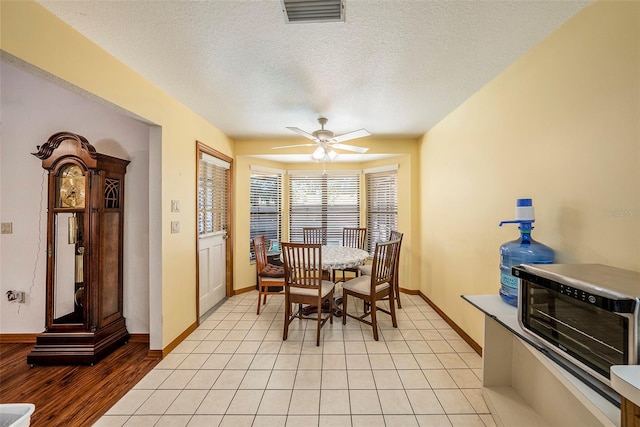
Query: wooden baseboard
x: 18, y: 338
x: 410, y: 291
x: 142, y: 338
x: 179, y: 339
x: 243, y: 290
x: 474, y: 345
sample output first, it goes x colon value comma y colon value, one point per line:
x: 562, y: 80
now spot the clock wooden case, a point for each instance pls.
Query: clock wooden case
x: 84, y: 291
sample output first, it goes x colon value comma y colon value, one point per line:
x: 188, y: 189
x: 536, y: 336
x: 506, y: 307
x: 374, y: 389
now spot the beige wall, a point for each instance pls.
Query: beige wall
x: 33, y: 35
x: 560, y: 125
x: 405, y: 154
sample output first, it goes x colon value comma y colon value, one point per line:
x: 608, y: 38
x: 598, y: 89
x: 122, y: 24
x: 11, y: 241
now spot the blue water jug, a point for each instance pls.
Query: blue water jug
x: 524, y: 250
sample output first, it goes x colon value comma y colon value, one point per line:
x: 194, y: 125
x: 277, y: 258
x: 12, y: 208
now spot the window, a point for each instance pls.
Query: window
x: 382, y: 204
x: 265, y: 205
x: 331, y: 201
x: 212, y: 194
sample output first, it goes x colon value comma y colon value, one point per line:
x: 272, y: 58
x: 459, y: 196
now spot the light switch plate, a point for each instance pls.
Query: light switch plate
x: 175, y: 226
x: 7, y: 228
x: 175, y: 206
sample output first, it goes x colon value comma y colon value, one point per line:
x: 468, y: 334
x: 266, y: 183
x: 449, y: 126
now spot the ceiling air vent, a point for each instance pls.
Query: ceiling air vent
x: 296, y: 11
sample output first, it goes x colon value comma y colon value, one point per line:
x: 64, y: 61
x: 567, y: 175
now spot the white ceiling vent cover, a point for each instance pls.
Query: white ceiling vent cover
x: 297, y: 11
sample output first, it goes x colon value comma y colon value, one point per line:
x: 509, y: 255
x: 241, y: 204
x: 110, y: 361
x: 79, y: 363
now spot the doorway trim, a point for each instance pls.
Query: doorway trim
x: 203, y: 148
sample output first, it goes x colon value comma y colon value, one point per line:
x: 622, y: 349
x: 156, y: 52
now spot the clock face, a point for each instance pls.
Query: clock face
x: 72, y: 187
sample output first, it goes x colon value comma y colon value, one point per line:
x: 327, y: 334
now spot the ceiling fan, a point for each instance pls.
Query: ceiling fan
x: 326, y: 141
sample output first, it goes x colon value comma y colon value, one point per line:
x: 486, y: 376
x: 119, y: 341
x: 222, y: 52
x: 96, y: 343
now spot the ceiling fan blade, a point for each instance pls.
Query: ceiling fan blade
x: 303, y: 133
x: 297, y: 145
x: 350, y: 148
x: 351, y: 135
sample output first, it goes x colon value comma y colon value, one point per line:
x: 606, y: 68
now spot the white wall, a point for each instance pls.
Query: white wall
x: 31, y: 110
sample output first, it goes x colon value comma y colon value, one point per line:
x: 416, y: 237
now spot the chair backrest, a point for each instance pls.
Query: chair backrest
x: 354, y: 237
x: 302, y: 265
x: 260, y: 251
x: 315, y: 235
x: 385, y: 257
x: 396, y: 235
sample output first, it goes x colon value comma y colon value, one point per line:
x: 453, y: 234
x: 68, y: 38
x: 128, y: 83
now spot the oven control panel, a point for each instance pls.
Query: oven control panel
x: 577, y: 294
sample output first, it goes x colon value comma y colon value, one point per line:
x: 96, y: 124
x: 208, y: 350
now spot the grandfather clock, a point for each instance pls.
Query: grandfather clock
x: 84, y: 303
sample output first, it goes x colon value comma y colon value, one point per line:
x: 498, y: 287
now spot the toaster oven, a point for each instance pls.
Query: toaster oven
x: 586, y: 313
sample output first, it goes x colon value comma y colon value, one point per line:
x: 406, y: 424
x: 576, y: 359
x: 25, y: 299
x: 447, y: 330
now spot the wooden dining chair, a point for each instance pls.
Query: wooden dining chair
x: 304, y: 284
x: 270, y: 276
x: 374, y: 288
x: 315, y: 235
x: 366, y: 269
x: 352, y: 238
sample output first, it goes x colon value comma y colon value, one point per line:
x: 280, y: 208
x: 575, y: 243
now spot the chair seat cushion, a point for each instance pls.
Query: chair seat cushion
x: 362, y: 285
x: 366, y: 269
x: 271, y: 270
x: 327, y: 286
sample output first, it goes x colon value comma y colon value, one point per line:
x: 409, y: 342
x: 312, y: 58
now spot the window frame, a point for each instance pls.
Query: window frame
x: 381, y: 206
x: 268, y: 176
x: 329, y: 208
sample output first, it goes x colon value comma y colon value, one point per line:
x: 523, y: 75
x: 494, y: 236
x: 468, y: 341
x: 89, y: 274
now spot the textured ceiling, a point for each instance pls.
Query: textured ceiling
x: 394, y: 67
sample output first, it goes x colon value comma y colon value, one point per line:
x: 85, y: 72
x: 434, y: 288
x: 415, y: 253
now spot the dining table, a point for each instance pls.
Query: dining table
x: 337, y: 257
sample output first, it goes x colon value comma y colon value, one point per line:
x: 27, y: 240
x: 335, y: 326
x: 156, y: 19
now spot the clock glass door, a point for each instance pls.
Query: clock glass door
x: 69, y: 246
x: 68, y: 285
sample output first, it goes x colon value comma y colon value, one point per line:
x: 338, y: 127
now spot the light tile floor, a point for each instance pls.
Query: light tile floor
x: 235, y: 370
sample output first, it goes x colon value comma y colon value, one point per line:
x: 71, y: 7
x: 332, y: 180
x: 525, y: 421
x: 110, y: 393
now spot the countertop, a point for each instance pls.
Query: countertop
x: 625, y: 379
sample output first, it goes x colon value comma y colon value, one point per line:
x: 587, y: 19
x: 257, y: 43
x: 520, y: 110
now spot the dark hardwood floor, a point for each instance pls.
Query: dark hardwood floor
x: 71, y: 395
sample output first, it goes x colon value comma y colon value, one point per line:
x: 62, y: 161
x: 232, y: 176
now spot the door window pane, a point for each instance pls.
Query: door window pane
x: 212, y: 196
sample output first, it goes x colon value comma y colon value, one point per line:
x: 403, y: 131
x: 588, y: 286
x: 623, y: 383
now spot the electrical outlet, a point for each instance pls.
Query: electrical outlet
x: 6, y: 228
x: 16, y: 296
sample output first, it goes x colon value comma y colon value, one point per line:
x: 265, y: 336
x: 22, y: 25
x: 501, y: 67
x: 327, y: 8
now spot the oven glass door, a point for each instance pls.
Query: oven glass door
x: 598, y: 338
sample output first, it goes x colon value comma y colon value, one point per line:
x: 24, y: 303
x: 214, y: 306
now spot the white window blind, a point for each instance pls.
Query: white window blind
x: 382, y: 206
x: 265, y: 205
x: 212, y: 194
x: 328, y: 201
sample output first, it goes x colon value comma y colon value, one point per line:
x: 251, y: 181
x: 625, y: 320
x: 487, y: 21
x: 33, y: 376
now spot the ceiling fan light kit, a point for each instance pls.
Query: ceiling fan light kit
x: 324, y: 153
x: 326, y: 141
x: 318, y: 154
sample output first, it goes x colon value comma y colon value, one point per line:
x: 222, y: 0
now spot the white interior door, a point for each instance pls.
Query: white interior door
x: 212, y: 271
x: 213, y: 220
